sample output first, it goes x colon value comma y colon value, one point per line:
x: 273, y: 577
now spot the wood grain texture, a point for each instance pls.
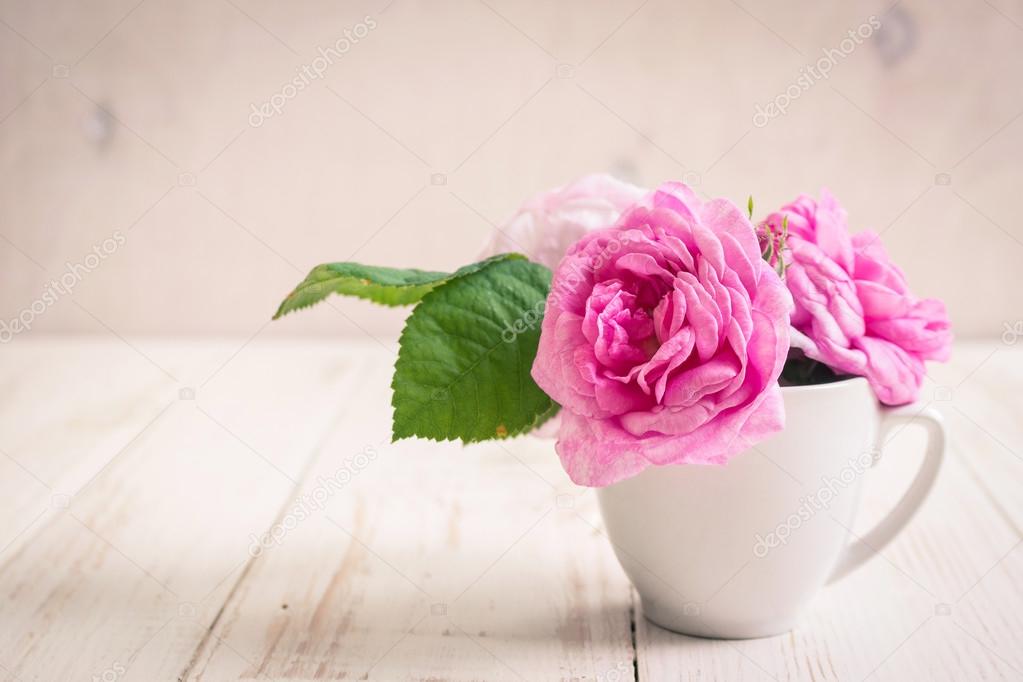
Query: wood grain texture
x: 428, y: 561
x: 264, y: 527
x: 126, y: 578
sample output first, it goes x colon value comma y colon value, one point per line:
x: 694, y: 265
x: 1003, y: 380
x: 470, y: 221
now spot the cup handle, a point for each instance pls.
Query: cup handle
x: 880, y: 535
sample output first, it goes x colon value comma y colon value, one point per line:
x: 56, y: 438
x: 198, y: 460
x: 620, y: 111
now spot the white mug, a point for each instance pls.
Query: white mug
x: 739, y: 550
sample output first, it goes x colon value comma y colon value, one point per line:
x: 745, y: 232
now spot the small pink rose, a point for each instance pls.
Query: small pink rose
x: 663, y: 339
x: 853, y: 308
x: 546, y: 225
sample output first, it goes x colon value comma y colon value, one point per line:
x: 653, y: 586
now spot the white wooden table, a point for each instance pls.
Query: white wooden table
x: 138, y: 480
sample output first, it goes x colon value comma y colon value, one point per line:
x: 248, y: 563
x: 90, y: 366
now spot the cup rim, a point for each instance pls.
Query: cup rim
x: 807, y: 388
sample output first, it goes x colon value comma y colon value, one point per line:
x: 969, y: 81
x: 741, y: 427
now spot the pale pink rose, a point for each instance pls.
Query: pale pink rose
x: 663, y: 339
x: 546, y: 225
x: 853, y: 309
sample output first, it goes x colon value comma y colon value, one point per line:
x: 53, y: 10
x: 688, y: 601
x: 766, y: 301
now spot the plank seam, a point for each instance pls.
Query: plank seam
x: 632, y: 634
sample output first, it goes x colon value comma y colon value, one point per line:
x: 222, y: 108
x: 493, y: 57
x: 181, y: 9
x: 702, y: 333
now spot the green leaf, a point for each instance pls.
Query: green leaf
x: 387, y: 286
x: 465, y: 355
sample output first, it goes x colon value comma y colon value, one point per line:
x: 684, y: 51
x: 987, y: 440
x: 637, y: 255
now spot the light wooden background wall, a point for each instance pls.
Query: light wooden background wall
x: 132, y: 121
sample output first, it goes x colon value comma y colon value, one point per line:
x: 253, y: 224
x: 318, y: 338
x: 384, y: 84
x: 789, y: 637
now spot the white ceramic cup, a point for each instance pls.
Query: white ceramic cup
x: 739, y: 550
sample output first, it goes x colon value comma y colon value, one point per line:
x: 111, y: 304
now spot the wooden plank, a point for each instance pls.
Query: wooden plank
x: 126, y: 581
x: 69, y: 406
x: 983, y: 414
x: 982, y: 409
x: 431, y: 561
x: 934, y: 605
x: 422, y: 560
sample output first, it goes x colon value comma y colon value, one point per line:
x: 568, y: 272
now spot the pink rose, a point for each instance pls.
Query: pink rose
x: 663, y: 339
x: 853, y: 309
x: 546, y: 225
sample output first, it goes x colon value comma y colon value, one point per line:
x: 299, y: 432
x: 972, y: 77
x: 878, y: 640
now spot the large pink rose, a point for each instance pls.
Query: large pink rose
x: 546, y: 225
x: 663, y: 339
x: 853, y: 309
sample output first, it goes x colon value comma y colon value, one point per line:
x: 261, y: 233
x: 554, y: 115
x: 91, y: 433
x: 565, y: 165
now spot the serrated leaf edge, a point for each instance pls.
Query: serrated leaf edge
x: 283, y: 309
x: 538, y: 419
